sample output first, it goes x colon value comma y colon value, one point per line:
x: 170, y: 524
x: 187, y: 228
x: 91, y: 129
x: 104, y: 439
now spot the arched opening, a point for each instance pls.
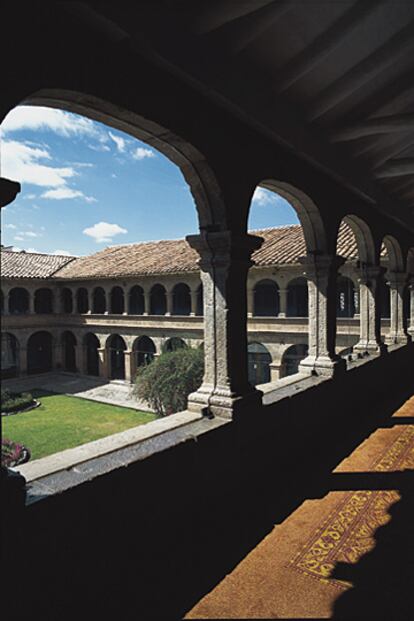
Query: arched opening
x: 345, y: 297
x: 82, y: 304
x: 67, y: 300
x: 181, y: 299
x: 92, y: 345
x: 116, y: 347
x: 136, y: 304
x: 297, y: 297
x: 117, y: 301
x: 18, y: 301
x: 173, y: 344
x: 98, y: 301
x: 144, y: 351
x: 69, y: 351
x: 266, y: 299
x: 9, y: 355
x: 39, y: 353
x: 259, y: 360
x: 200, y: 302
x: 43, y: 302
x: 158, y: 300
x: 292, y: 358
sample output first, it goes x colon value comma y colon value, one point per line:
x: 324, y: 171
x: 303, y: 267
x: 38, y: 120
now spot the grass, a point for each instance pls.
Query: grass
x: 62, y: 422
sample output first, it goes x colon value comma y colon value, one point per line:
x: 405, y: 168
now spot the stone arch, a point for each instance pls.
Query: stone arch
x: 292, y: 357
x: 394, y: 253
x: 345, y: 297
x: 364, y: 241
x: 174, y: 343
x: 144, y: 350
x: 266, y: 298
x: 297, y: 297
x: 82, y: 300
x: 181, y: 299
x: 92, y: 344
x: 136, y: 300
x: 116, y: 346
x: 158, y: 300
x: 10, y: 355
x: 40, y: 352
x: 69, y: 351
x: 18, y: 301
x: 67, y: 300
x: 308, y: 213
x: 43, y: 301
x: 117, y: 300
x: 98, y: 301
x: 259, y: 360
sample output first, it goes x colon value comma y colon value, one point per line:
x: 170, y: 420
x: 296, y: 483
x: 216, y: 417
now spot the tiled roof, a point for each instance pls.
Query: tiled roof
x: 30, y: 264
x: 282, y: 245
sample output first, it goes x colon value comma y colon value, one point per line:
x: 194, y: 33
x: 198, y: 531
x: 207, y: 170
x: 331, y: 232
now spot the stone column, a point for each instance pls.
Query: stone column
x: 397, y: 282
x: 103, y: 362
x: 130, y: 367
x: 282, y: 302
x: 74, y: 302
x: 147, y: 302
x: 224, y: 263
x: 275, y: 368
x: 80, y: 358
x: 89, y: 304
x: 193, y: 302
x: 411, y: 318
x: 23, y: 361
x: 107, y: 300
x: 321, y: 272
x: 250, y: 300
x: 369, y: 311
x: 169, y: 295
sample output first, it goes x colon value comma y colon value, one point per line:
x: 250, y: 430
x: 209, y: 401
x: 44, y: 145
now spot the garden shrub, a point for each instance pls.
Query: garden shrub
x: 11, y: 402
x: 13, y: 453
x: 167, y: 381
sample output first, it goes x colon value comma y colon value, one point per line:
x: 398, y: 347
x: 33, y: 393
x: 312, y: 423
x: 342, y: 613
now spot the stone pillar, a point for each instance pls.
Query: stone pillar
x: 169, y: 295
x: 23, y: 361
x: 193, y: 302
x: 80, y: 358
x: 250, y: 300
x: 321, y: 272
x: 107, y: 300
x: 275, y: 368
x: 282, y: 302
x: 369, y: 311
x: 130, y: 366
x: 411, y: 318
x: 224, y: 263
x: 397, y: 334
x: 74, y: 302
x: 147, y: 302
x: 31, y: 302
x: 103, y: 362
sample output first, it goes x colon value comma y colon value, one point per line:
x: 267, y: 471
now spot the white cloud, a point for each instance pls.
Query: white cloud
x: 67, y: 193
x: 265, y: 197
x: 29, y: 234
x: 29, y: 197
x: 10, y: 226
x: 20, y: 162
x: 18, y: 238
x: 99, y: 147
x: 34, y: 250
x: 141, y: 153
x: 41, y: 118
x: 119, y: 141
x: 104, y: 231
x: 63, y: 253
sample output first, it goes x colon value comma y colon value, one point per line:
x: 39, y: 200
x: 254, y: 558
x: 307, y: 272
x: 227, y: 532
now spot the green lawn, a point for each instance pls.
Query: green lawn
x: 63, y: 422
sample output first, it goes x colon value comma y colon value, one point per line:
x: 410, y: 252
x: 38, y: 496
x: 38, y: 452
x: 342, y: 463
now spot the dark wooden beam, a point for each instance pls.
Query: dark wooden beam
x: 396, y: 168
x: 390, y: 151
x: 379, y: 125
x: 324, y: 44
x: 363, y: 72
x: 217, y: 13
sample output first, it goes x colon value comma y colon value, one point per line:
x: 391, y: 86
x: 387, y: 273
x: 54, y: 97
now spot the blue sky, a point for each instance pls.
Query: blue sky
x: 86, y: 186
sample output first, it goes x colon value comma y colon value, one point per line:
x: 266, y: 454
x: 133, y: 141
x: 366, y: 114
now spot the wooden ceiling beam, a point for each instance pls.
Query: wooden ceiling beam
x: 217, y: 13
x: 380, y: 125
x: 396, y: 168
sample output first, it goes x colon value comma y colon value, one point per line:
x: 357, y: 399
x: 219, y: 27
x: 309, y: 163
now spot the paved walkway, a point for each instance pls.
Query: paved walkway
x: 346, y: 555
x: 115, y: 392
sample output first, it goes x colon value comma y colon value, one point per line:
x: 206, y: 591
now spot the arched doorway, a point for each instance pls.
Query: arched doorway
x: 266, y: 299
x: 9, y: 355
x: 181, y: 299
x: 43, y: 301
x: 173, y: 344
x: 292, y: 357
x: 136, y: 304
x: 297, y: 298
x: 39, y: 353
x: 144, y: 351
x: 259, y: 360
x: 69, y: 352
x: 18, y: 301
x: 92, y: 345
x: 116, y: 347
x: 158, y: 300
x: 98, y: 301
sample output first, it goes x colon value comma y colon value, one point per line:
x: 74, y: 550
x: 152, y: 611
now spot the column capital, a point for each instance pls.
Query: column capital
x: 317, y: 265
x: 220, y: 247
x: 396, y: 279
x: 367, y: 274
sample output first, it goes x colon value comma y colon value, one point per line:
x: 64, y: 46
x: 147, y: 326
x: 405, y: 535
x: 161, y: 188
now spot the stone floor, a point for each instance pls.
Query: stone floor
x: 115, y: 392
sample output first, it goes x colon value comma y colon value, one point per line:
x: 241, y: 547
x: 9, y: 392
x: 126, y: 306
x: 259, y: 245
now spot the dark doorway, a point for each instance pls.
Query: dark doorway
x: 18, y: 301
x: 158, y: 301
x: 69, y: 352
x: 297, y: 298
x: 116, y: 347
x: 144, y: 350
x: 181, y: 299
x: 43, y: 301
x: 92, y: 355
x: 82, y: 301
x: 117, y: 301
x: 67, y: 300
x: 266, y: 299
x: 292, y: 357
x: 259, y: 359
x: 98, y: 301
x: 39, y: 353
x: 136, y: 301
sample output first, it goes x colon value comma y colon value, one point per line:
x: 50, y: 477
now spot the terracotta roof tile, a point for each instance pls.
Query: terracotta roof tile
x: 30, y: 264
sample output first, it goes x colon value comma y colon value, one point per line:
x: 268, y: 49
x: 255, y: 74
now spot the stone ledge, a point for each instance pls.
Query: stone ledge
x: 79, y: 454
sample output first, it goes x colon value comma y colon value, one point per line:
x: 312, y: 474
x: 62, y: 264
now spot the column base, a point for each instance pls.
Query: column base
x: 398, y: 339
x: 322, y: 365
x: 369, y: 348
x: 222, y: 402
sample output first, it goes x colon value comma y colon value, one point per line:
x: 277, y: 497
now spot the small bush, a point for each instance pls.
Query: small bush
x: 11, y: 402
x: 167, y: 381
x: 13, y: 453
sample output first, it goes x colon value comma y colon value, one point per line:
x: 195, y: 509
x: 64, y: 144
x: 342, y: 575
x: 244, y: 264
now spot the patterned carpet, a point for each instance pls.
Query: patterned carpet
x: 291, y: 572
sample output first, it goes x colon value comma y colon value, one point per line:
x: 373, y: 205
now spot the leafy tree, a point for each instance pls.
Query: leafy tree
x: 167, y: 381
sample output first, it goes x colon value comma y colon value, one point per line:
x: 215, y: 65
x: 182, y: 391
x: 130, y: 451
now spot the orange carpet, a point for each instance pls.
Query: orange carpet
x: 291, y: 573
